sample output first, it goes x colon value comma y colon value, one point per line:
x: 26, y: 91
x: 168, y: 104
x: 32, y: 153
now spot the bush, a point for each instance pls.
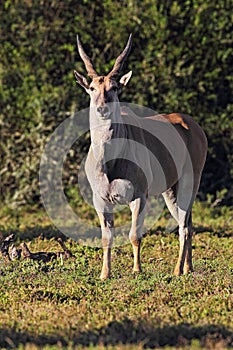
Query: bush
x: 181, y: 60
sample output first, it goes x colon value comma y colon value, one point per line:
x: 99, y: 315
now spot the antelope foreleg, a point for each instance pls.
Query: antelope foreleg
x: 107, y: 227
x: 136, y: 253
x: 138, y: 214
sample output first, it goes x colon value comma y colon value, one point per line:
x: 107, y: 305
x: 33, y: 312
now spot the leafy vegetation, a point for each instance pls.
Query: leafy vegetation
x: 181, y: 60
x: 66, y: 306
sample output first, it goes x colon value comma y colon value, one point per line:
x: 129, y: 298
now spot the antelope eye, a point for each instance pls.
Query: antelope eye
x: 92, y: 88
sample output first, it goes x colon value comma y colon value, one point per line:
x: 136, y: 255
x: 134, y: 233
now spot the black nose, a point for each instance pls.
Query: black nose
x: 104, y: 111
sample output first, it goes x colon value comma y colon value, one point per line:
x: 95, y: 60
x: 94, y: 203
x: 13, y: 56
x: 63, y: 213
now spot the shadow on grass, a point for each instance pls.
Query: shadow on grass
x: 220, y: 233
x: 49, y: 232
x: 128, y: 332
x: 29, y: 233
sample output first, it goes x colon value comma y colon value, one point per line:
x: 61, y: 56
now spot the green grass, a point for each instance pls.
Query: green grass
x: 55, y: 306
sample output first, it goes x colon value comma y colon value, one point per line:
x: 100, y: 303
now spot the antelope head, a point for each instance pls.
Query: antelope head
x: 104, y: 90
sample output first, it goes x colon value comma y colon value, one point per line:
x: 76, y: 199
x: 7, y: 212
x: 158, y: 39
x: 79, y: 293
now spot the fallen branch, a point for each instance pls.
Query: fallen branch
x: 4, y: 246
x: 39, y: 256
x: 15, y: 253
x: 12, y: 253
x: 66, y: 254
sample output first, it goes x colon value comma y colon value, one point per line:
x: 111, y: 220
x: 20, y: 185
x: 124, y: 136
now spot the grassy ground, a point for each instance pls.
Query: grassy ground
x: 55, y: 306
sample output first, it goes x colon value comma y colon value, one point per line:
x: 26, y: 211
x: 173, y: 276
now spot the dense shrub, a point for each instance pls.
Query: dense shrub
x: 181, y: 60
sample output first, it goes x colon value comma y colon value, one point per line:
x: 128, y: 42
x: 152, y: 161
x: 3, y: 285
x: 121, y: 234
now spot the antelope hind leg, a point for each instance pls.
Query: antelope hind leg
x: 184, y: 220
x: 184, y: 262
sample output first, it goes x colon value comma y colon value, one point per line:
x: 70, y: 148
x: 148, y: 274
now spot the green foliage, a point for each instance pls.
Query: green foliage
x: 181, y: 60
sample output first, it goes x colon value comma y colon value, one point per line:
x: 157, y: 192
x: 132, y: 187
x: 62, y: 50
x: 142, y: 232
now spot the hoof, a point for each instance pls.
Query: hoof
x: 104, y: 276
x: 137, y: 270
x: 188, y: 270
x: 136, y: 273
x: 177, y: 272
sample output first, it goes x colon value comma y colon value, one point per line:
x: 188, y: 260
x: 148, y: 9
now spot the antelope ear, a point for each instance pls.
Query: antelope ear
x: 81, y: 80
x: 124, y: 80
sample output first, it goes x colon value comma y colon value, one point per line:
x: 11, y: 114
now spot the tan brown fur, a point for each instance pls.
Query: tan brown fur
x: 173, y: 118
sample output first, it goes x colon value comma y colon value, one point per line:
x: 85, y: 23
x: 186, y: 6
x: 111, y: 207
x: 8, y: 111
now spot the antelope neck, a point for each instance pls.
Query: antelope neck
x: 104, y: 137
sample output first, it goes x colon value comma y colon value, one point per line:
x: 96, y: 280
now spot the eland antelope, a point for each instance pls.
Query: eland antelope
x: 131, y: 157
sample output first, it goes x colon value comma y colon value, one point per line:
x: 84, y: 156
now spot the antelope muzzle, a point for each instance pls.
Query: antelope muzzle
x: 104, y: 112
